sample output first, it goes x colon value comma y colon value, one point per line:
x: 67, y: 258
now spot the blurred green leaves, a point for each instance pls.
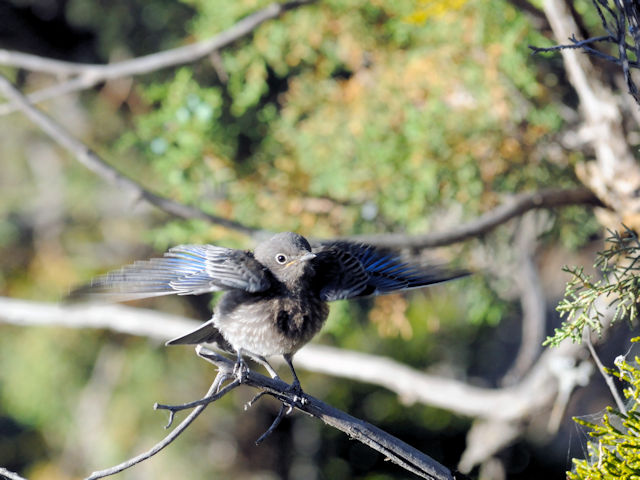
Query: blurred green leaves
x: 353, y: 104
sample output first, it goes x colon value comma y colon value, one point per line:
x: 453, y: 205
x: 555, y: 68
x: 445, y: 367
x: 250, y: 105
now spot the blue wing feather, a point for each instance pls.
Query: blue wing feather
x: 184, y: 270
x: 350, y: 270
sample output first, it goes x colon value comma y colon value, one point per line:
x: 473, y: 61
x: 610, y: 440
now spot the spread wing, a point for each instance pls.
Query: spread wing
x: 350, y: 270
x: 183, y: 270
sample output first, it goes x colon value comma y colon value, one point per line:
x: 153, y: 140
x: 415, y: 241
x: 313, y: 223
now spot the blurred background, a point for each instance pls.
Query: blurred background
x: 337, y: 118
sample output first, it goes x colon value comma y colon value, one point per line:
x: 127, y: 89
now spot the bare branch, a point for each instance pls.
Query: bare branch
x: 535, y: 391
x: 584, y: 45
x: 393, y: 448
x: 119, y: 318
x: 615, y: 175
x: 617, y: 18
x: 4, y: 473
x: 97, y: 165
x: 89, y: 75
x: 517, y: 205
x: 284, y: 411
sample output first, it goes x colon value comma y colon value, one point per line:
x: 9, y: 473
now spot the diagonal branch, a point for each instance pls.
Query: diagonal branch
x: 4, y: 473
x: 89, y: 75
x: 97, y: 165
x: 393, y: 448
x: 516, y: 206
x: 585, y: 46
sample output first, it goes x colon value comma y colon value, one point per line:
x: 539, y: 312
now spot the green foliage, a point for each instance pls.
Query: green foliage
x: 336, y: 110
x: 620, y: 283
x: 614, y: 452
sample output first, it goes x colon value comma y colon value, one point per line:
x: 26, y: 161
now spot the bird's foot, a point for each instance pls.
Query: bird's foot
x: 298, y: 394
x: 241, y: 370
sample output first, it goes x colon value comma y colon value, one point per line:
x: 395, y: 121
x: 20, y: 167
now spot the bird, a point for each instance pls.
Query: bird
x: 275, y: 298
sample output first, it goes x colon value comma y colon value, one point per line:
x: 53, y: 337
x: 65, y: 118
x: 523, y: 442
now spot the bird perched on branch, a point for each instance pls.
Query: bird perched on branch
x: 275, y: 298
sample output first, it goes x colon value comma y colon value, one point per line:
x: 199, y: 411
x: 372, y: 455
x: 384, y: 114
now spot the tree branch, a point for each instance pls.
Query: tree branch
x: 617, y: 18
x: 152, y: 324
x: 614, y: 176
x: 4, y: 473
x: 533, y: 392
x: 89, y: 75
x: 393, y: 448
x: 97, y: 165
x: 517, y: 205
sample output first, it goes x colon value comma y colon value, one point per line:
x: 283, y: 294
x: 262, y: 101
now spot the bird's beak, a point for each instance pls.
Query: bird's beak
x: 307, y: 256
x: 303, y: 258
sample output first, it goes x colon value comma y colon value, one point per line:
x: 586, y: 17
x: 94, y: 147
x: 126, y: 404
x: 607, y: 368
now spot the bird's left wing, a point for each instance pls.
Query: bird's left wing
x: 183, y: 270
x: 349, y: 270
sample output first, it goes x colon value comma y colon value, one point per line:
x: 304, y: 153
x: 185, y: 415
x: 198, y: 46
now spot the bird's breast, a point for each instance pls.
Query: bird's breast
x: 269, y: 324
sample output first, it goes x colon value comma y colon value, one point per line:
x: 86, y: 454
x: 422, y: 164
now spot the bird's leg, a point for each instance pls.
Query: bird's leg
x: 295, y: 385
x: 263, y: 361
x: 240, y: 368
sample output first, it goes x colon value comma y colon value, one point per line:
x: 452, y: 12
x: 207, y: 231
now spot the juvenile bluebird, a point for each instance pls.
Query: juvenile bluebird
x: 275, y: 298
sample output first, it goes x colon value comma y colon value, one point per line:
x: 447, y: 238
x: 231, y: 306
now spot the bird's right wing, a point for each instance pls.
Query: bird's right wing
x: 349, y: 270
x: 184, y: 270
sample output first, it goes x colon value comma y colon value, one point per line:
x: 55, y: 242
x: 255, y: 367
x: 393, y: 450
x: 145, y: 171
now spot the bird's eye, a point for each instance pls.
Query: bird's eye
x: 280, y: 258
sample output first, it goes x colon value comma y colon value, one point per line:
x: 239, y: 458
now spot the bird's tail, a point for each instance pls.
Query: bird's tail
x: 205, y: 333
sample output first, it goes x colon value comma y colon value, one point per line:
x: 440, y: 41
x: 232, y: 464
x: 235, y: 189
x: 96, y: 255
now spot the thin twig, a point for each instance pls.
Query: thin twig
x: 584, y: 45
x: 162, y: 444
x: 284, y: 411
x: 89, y: 75
x: 607, y: 378
x: 517, y: 205
x: 616, y: 19
x: 574, y: 44
x: 204, y: 401
x: 97, y: 165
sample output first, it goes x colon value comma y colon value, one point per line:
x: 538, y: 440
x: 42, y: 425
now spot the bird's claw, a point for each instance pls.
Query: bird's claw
x: 240, y: 370
x: 298, y: 394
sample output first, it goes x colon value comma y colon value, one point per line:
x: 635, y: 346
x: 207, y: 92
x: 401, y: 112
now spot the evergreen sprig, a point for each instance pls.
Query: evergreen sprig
x: 619, y: 266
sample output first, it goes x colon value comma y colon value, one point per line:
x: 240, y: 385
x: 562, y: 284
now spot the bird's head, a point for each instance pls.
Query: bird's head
x: 287, y: 255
